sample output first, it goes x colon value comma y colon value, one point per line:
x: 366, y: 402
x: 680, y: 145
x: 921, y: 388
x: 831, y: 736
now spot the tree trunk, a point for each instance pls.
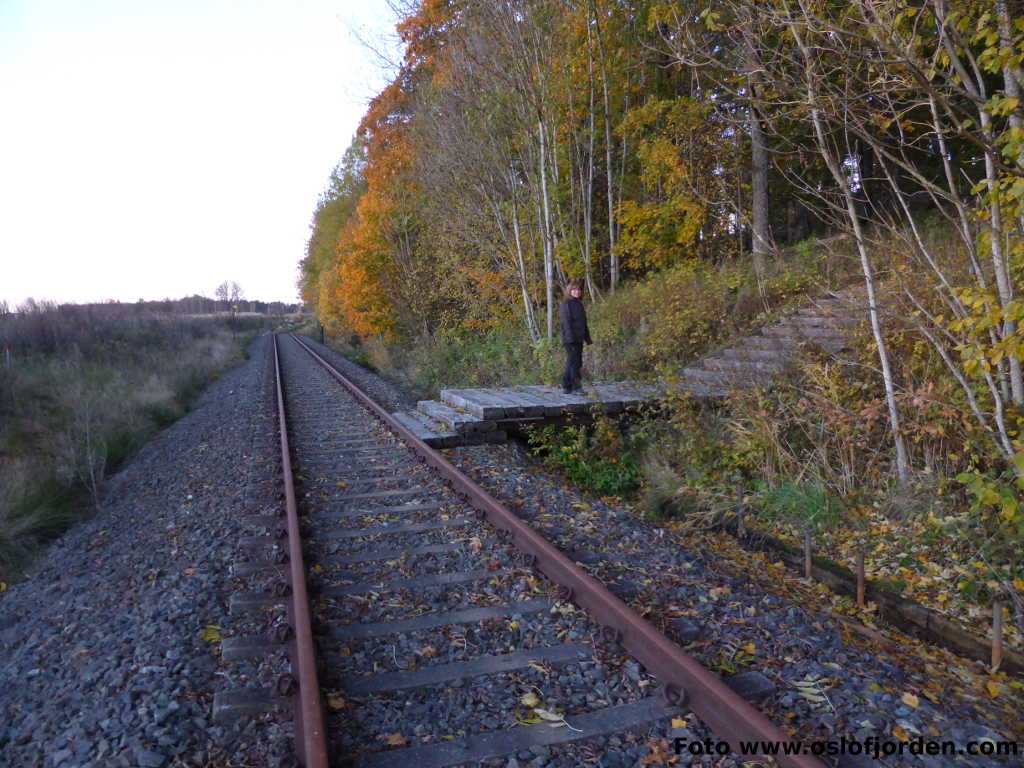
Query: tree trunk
x: 549, y: 258
x: 902, y: 469
x: 759, y: 196
x: 762, y: 242
x: 531, y: 321
x: 975, y: 87
x: 613, y: 257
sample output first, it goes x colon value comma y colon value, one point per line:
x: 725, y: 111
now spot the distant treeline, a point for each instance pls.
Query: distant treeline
x: 190, y: 305
x: 47, y: 327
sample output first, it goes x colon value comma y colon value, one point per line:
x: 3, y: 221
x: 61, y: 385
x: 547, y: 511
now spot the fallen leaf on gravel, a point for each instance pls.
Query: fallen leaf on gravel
x: 428, y: 652
x: 551, y: 717
x: 679, y: 722
x: 530, y: 700
x: 900, y: 734
x: 660, y: 753
x: 186, y: 572
x: 910, y: 700
x: 394, y: 739
x: 210, y: 633
x: 993, y: 688
x: 336, y: 702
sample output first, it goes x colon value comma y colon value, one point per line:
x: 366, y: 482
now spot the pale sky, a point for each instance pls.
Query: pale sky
x: 153, y: 149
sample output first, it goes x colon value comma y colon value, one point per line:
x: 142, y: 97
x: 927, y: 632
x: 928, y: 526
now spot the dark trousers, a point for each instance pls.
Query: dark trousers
x: 573, y: 366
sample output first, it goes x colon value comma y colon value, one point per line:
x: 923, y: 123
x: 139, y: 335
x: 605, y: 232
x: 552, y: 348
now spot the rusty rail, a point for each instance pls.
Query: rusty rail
x: 685, y: 681
x: 310, y: 739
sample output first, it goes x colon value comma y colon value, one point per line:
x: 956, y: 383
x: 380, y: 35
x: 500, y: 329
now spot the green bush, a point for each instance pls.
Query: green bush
x: 585, y: 455
x: 807, y: 506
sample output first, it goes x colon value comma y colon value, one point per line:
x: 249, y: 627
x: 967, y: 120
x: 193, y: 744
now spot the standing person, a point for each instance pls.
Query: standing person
x: 572, y: 321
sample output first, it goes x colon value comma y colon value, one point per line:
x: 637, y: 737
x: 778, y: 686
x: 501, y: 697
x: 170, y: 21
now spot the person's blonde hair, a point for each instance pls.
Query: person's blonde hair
x: 573, y: 284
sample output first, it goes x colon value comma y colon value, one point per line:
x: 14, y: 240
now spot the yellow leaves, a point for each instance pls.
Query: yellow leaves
x: 553, y: 719
x: 394, y: 739
x: 679, y: 722
x: 336, y: 701
x: 661, y: 753
x: 1000, y: 106
x: 3, y: 586
x: 901, y: 733
x: 812, y: 688
x: 992, y: 688
x: 910, y: 700
x: 345, y: 652
x: 210, y: 633
x: 537, y: 714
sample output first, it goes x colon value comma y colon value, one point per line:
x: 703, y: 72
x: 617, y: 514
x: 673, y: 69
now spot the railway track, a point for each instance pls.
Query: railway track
x: 441, y: 630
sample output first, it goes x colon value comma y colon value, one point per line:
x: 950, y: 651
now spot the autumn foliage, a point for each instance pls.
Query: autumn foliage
x: 679, y: 157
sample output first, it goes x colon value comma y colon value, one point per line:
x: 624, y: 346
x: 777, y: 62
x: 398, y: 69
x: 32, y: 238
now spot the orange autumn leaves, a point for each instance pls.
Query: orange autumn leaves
x: 365, y: 295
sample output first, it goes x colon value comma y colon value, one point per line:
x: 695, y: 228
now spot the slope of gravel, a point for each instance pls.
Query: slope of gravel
x: 102, y: 656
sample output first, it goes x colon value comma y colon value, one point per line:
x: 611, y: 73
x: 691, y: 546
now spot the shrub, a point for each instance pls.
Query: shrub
x: 591, y: 457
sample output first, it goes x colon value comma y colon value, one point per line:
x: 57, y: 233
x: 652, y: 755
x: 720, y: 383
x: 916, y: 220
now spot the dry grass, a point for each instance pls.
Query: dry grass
x: 72, y: 412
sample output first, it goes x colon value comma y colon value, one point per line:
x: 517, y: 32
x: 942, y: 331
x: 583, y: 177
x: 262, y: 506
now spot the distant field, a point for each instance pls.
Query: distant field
x: 82, y: 388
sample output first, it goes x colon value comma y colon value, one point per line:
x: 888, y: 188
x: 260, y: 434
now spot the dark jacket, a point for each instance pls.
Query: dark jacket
x: 572, y: 321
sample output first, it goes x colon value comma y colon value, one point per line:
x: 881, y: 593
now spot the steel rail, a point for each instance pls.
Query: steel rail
x: 310, y: 738
x: 685, y: 681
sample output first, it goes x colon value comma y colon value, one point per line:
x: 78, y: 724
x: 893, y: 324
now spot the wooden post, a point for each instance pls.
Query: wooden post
x: 807, y: 554
x: 860, y: 578
x: 739, y: 511
x: 997, y: 633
